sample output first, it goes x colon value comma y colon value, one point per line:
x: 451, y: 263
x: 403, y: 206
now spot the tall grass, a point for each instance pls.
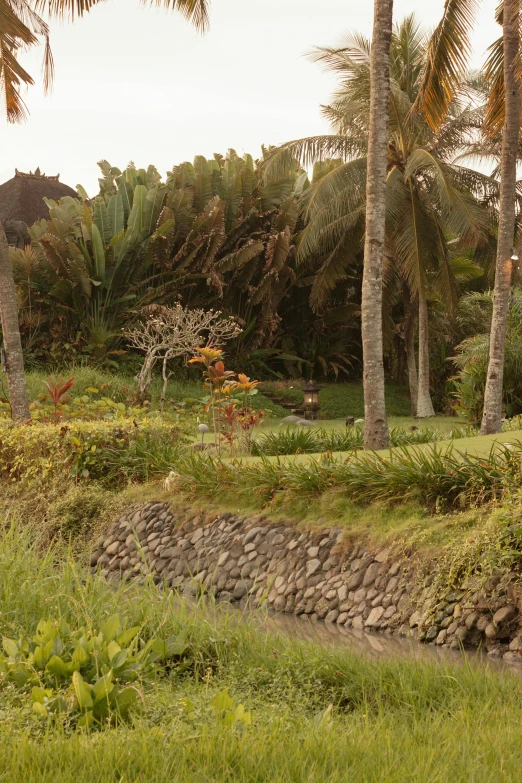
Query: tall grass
x: 436, y: 476
x: 319, y: 714
x: 298, y: 440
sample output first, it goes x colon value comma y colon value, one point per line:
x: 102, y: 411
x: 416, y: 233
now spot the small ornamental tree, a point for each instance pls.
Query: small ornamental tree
x: 171, y: 332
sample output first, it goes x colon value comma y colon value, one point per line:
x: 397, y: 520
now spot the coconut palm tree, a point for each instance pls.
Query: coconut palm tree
x: 448, y: 53
x: 432, y: 209
x: 22, y: 27
x: 492, y: 416
x: 375, y: 423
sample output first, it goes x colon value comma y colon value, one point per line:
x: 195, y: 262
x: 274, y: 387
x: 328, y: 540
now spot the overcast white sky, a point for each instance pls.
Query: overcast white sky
x: 139, y: 84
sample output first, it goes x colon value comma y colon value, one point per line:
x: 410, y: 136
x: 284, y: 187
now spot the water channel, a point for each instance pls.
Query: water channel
x: 371, y: 645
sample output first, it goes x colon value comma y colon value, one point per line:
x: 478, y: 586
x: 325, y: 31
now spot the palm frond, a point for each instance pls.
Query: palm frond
x: 447, y: 58
x: 195, y: 11
x: 334, y: 269
x: 494, y: 76
x: 463, y: 215
x: 308, y: 151
x: 14, y: 34
x: 66, y: 8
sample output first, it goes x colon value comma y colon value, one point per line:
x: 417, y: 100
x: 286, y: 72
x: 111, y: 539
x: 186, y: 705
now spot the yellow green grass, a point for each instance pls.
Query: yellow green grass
x: 318, y: 714
x: 479, y: 445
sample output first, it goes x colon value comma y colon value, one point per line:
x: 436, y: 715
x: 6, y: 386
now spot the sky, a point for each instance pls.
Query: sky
x: 135, y: 83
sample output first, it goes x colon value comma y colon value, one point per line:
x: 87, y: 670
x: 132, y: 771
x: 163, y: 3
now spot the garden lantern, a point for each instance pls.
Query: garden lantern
x: 311, y: 400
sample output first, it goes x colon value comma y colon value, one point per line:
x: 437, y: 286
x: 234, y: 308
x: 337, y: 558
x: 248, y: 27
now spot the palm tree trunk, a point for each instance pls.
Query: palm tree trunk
x: 492, y: 416
x: 376, y: 434
x: 11, y: 332
x: 409, y: 346
x: 424, y: 403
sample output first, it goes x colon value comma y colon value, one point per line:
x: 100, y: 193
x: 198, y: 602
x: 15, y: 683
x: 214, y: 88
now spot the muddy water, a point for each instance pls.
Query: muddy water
x: 371, y: 645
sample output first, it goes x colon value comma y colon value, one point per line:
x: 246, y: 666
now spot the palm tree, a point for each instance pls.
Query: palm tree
x: 432, y: 209
x: 449, y: 49
x: 492, y: 416
x: 22, y: 27
x: 376, y: 434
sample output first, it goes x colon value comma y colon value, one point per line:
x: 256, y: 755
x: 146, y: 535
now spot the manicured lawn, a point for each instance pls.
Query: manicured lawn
x: 479, y: 445
x: 442, y: 423
x: 339, y: 400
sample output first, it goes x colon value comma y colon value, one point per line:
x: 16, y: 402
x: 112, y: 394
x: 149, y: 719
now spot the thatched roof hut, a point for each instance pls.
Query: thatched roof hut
x: 21, y: 198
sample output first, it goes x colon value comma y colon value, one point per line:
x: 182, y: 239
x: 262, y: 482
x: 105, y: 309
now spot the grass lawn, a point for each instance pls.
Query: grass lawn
x: 442, y: 423
x: 318, y: 714
x: 339, y: 400
x: 478, y: 445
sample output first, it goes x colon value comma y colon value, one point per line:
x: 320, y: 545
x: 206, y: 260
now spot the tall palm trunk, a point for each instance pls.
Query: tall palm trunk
x: 492, y: 416
x: 409, y: 346
x: 424, y: 403
x: 376, y: 434
x: 11, y: 332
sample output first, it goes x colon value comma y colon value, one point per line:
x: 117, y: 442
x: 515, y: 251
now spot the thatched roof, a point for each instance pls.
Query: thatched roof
x: 21, y: 198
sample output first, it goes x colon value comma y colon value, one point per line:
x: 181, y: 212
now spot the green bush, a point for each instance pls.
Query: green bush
x: 298, y: 440
x: 111, y: 452
x: 473, y: 356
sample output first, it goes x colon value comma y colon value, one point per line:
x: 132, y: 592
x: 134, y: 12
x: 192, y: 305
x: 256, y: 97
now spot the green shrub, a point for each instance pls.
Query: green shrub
x: 297, y: 440
x: 78, y: 510
x: 111, y: 452
x: 473, y: 356
x: 290, y: 440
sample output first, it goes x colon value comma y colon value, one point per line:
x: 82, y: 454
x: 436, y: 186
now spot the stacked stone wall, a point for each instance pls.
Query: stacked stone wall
x: 312, y: 573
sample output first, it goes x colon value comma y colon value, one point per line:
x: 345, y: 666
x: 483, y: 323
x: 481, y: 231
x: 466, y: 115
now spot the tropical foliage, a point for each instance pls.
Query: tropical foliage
x: 472, y: 357
x: 281, y: 249
x: 438, y: 211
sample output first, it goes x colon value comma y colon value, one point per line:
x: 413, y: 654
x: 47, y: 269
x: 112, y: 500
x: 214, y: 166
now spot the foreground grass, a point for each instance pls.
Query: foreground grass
x: 318, y: 714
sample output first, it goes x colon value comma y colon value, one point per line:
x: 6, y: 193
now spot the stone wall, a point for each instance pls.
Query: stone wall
x: 313, y: 573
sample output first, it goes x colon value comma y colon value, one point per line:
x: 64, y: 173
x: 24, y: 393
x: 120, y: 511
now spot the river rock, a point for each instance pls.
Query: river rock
x: 374, y: 617
x: 504, y: 615
x: 312, y: 567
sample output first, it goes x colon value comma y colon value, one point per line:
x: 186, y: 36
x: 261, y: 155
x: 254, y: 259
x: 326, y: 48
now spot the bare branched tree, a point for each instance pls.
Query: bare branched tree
x: 172, y: 332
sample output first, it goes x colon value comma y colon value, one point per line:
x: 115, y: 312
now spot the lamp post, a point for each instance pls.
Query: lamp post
x: 311, y: 400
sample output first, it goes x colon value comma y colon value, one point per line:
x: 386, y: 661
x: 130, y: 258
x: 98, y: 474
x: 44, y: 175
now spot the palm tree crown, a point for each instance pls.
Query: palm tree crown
x: 435, y: 206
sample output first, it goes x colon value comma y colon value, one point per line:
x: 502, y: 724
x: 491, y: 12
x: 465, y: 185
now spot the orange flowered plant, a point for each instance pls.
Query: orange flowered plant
x: 228, y: 400
x: 206, y: 356
x: 217, y: 375
x: 245, y: 384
